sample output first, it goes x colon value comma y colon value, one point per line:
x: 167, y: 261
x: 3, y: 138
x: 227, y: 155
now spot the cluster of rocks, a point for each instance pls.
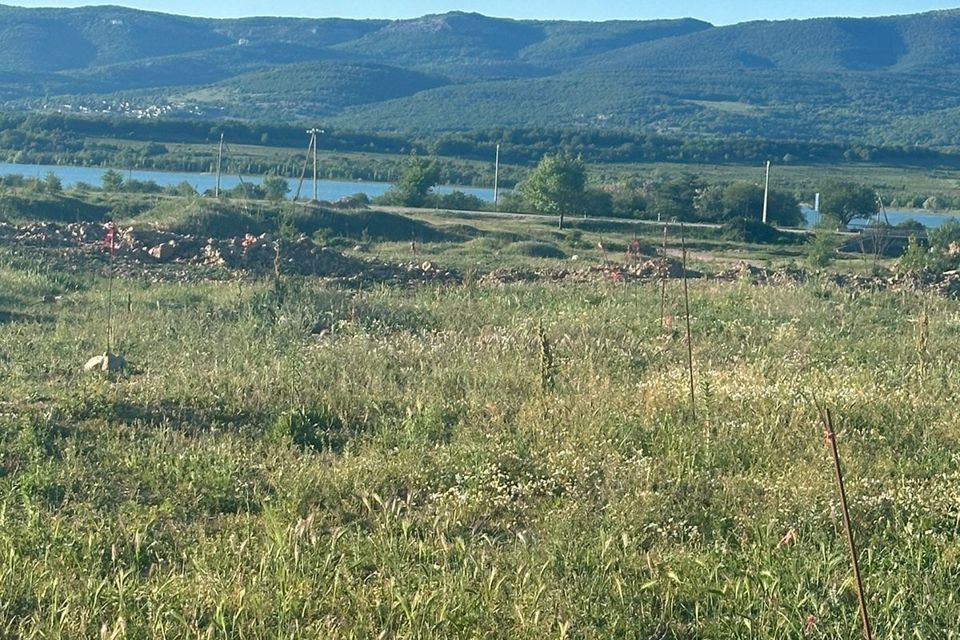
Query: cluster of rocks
x: 37, y: 234
x: 149, y: 250
x: 760, y: 275
x: 946, y: 283
x: 423, y: 271
x: 264, y: 254
x: 145, y: 249
x: 641, y: 271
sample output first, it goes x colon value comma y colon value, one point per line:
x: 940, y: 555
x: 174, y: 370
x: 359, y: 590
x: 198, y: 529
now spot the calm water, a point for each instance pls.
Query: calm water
x: 330, y: 190
x: 927, y: 219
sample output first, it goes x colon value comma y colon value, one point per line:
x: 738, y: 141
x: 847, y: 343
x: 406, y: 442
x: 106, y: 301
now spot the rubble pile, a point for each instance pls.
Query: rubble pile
x: 946, y: 283
x: 37, y: 234
x: 263, y: 254
x: 162, y: 255
x: 146, y: 248
x: 643, y: 271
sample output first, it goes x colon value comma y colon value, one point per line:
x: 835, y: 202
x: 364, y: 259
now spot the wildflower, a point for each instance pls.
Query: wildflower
x: 809, y: 625
x: 109, y: 240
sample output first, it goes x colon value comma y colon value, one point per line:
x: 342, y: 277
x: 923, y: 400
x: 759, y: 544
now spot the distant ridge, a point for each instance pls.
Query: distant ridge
x: 891, y: 80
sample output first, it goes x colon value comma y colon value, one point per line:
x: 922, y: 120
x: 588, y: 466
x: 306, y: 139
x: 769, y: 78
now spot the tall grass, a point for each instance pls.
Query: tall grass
x: 388, y: 462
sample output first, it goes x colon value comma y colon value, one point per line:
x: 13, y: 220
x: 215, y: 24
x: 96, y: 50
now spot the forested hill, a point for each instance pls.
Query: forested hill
x: 880, y: 81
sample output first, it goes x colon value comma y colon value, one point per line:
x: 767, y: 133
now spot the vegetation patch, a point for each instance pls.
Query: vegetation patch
x: 537, y: 250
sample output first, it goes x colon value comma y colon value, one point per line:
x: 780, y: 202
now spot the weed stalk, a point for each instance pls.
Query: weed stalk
x: 686, y: 305
x: 546, y: 358
x: 663, y: 279
x: 111, y: 243
x: 831, y: 437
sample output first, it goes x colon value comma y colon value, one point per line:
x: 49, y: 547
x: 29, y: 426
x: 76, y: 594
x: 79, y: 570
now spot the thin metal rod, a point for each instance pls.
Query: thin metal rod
x: 851, y: 545
x: 686, y: 304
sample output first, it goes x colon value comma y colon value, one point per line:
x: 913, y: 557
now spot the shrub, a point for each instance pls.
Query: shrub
x: 538, y: 250
x: 752, y: 231
x: 316, y: 428
x: 915, y: 258
x: 822, y: 247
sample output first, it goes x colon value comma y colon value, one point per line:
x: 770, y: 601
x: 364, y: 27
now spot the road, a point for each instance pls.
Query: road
x: 570, y: 218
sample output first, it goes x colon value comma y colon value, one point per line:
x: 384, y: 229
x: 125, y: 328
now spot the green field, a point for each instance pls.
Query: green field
x: 297, y: 457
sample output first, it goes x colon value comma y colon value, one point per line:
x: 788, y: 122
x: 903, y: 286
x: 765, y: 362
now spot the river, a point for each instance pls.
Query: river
x: 332, y: 190
x: 329, y: 190
x: 929, y: 219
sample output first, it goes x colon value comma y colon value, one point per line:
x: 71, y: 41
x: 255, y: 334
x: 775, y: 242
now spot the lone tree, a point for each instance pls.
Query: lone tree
x: 414, y: 184
x: 557, y: 185
x: 112, y: 181
x: 52, y: 183
x: 275, y: 187
x: 848, y: 201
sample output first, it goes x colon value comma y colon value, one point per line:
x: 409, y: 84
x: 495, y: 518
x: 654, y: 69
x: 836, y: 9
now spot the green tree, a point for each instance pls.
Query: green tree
x: 275, y: 188
x: 557, y: 185
x: 52, y: 183
x: 745, y: 200
x: 184, y: 189
x: 112, y: 181
x: 847, y: 201
x: 674, y: 197
x: 414, y: 184
x: 940, y: 238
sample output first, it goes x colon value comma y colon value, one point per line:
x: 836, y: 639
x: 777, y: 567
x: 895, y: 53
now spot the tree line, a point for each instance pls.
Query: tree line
x: 560, y: 185
x: 49, y: 133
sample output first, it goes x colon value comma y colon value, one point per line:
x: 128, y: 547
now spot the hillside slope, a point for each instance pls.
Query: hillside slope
x: 889, y: 80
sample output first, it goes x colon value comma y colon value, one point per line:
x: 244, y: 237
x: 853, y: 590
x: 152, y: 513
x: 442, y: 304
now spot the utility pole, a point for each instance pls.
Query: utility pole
x: 496, y: 181
x: 313, y: 143
x: 766, y: 193
x: 216, y: 191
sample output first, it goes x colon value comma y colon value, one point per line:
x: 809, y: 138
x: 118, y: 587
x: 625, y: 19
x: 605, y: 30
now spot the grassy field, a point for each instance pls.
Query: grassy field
x: 285, y: 458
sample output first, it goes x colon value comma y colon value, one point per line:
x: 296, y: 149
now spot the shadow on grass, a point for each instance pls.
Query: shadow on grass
x: 10, y: 317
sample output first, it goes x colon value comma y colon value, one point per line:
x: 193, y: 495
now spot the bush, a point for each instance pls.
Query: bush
x: 458, y: 201
x: 943, y: 236
x: 538, y: 250
x: 915, y: 258
x: 317, y: 428
x: 822, y: 248
x: 752, y: 231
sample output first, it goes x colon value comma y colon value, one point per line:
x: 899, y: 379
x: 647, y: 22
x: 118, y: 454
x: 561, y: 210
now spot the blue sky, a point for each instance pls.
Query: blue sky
x: 717, y: 12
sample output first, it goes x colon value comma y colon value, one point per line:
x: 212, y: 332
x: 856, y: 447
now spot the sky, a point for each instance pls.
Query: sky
x: 718, y: 12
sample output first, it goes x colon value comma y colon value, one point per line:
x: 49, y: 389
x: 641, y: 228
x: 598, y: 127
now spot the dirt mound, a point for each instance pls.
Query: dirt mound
x: 147, y: 251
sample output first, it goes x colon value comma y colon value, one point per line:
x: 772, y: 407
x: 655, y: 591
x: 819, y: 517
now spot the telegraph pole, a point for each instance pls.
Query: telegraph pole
x: 216, y: 191
x: 313, y: 143
x: 496, y: 178
x: 766, y: 193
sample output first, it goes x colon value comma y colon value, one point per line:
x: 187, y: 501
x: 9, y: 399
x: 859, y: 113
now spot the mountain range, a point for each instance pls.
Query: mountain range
x: 891, y: 81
